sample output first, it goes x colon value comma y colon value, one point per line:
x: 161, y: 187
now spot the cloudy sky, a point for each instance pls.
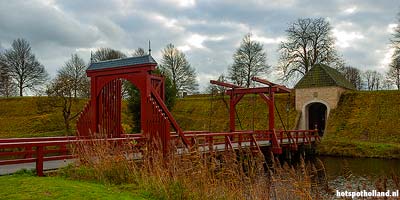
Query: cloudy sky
x: 208, y: 31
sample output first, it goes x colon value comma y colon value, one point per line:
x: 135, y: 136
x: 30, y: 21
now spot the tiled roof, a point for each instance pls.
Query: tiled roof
x: 147, y: 59
x: 322, y: 76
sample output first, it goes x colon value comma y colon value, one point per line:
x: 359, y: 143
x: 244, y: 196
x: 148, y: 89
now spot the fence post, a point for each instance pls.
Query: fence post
x: 39, y: 160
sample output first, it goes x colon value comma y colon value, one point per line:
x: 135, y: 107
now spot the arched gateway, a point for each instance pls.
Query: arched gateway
x: 103, y: 112
x: 317, y: 93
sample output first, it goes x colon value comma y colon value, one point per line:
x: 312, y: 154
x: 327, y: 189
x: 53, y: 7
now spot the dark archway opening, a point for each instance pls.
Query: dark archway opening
x: 131, y: 94
x: 317, y: 113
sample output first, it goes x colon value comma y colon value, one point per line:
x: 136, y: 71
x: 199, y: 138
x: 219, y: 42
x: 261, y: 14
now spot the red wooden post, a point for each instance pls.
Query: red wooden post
x: 93, y: 101
x: 271, y: 112
x: 39, y: 160
x: 232, y: 110
x: 167, y: 133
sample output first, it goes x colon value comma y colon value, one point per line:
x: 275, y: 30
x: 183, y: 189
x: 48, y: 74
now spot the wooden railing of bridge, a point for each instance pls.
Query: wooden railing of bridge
x: 41, y: 149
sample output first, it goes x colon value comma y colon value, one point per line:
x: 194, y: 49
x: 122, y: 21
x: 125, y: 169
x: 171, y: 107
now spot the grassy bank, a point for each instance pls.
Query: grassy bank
x: 31, y: 117
x: 30, y: 187
x: 28, y: 117
x: 365, y: 124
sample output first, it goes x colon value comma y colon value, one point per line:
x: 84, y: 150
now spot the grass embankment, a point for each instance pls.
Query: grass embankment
x: 28, y: 117
x: 31, y: 117
x: 365, y: 124
x: 30, y: 187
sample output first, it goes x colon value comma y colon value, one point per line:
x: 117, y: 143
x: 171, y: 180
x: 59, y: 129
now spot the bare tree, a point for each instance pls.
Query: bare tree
x: 353, y: 75
x: 387, y: 84
x: 61, y: 95
x: 71, y: 82
x: 7, y: 87
x: 372, y: 80
x: 175, y: 66
x: 139, y: 52
x: 74, y: 70
x: 249, y: 60
x: 309, y: 42
x: 23, y: 66
x: 393, y: 75
x: 394, y: 71
x: 396, y: 38
x: 107, y: 54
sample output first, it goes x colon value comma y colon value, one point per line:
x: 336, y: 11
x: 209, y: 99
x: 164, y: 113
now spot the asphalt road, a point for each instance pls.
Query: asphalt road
x: 47, y: 165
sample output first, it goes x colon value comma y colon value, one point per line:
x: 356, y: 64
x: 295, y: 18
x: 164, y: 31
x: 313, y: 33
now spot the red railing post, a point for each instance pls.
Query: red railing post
x: 39, y: 160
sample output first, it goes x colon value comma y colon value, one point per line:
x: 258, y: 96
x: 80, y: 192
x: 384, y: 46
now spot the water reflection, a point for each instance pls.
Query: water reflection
x: 360, y: 167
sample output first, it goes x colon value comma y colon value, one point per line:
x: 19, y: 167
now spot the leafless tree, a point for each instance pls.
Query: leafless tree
x: 249, y: 60
x: 175, y: 66
x: 7, y: 86
x: 394, y: 71
x: 66, y: 88
x: 396, y: 38
x: 61, y: 95
x: 103, y: 54
x: 139, y: 52
x: 372, y: 80
x: 23, y: 66
x: 309, y: 42
x: 387, y: 84
x: 353, y: 75
x: 74, y: 70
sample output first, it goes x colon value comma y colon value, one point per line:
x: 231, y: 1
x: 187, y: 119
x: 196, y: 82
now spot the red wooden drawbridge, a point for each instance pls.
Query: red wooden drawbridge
x: 103, y: 112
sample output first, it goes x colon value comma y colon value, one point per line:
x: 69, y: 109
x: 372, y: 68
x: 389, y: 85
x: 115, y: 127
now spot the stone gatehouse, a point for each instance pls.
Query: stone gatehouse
x: 317, y: 93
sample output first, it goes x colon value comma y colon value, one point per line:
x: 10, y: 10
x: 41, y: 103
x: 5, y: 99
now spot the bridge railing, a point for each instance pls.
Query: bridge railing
x: 230, y: 140
x: 295, y: 137
x: 240, y: 139
x: 41, y: 149
x: 28, y: 150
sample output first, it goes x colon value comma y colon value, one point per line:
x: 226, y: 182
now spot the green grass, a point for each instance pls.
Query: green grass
x: 30, y: 187
x: 365, y: 124
x: 25, y: 117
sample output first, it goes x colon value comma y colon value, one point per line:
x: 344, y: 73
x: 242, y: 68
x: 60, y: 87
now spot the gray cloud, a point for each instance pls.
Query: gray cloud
x: 207, y: 31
